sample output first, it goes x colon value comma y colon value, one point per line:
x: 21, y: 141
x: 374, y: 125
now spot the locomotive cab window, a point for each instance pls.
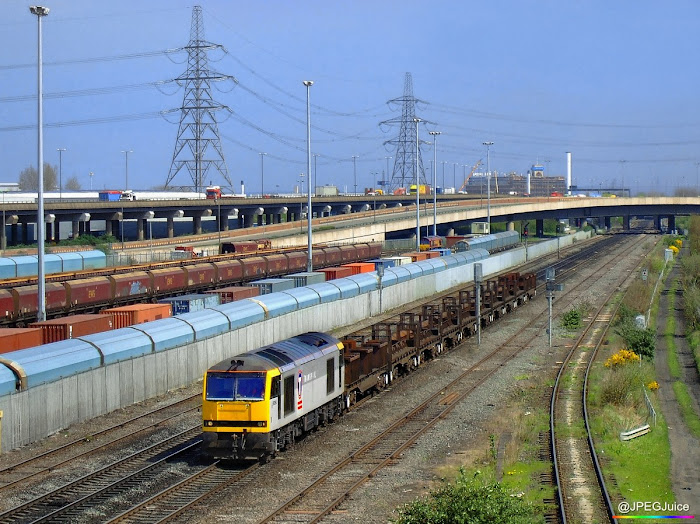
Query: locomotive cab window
x: 235, y: 386
x: 330, y: 376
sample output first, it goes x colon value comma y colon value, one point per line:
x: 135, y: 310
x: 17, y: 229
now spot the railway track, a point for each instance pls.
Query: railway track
x: 582, y: 493
x: 68, y: 453
x: 209, y: 486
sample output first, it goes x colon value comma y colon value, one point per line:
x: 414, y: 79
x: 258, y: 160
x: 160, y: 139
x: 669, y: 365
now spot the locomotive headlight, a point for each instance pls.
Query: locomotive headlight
x: 210, y: 423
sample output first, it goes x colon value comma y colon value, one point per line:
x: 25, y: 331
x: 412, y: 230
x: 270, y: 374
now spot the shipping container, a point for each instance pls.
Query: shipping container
x: 272, y: 285
x: 360, y: 267
x: 337, y: 272
x: 233, y: 293
x: 443, y: 251
x: 132, y: 314
x: 432, y: 254
x: 73, y: 326
x: 382, y: 262
x: 305, y: 278
x: 12, y: 339
x: 416, y: 256
x: 401, y: 260
x: 191, y: 303
x: 110, y: 196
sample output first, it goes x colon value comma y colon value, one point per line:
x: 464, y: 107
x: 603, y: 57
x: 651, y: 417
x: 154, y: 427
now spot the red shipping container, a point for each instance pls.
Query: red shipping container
x: 333, y: 255
x: 297, y: 261
x: 360, y: 267
x: 232, y: 293
x: 254, y: 267
x: 132, y: 284
x: 73, y: 326
x: 416, y: 256
x: 130, y: 315
x: 348, y: 254
x: 7, y: 304
x: 12, y: 339
x: 27, y: 298
x: 200, y: 275
x: 336, y: 272
x: 432, y: 254
x: 453, y: 239
x: 277, y: 264
x: 171, y: 279
x: 87, y: 291
x: 228, y: 270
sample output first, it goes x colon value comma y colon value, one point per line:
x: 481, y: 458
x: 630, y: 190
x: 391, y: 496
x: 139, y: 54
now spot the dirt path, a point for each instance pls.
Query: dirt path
x: 685, y: 448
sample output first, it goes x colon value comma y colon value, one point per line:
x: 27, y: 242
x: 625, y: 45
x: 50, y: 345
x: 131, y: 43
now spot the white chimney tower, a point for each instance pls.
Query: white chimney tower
x: 568, y: 174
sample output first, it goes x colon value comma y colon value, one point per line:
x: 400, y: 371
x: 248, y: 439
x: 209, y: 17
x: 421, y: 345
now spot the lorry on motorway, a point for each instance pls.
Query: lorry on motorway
x: 128, y: 194
x: 423, y: 189
x: 109, y: 196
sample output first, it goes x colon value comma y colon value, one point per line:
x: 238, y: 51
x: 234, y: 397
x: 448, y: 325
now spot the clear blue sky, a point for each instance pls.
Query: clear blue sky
x: 615, y: 83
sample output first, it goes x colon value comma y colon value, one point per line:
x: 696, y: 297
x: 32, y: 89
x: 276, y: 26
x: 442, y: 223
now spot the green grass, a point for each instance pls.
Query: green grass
x: 674, y: 365
x: 685, y: 402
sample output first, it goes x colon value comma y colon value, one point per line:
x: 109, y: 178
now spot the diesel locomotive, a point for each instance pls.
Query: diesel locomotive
x: 259, y: 402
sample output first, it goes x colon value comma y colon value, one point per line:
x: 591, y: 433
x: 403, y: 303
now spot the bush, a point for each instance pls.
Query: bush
x: 623, y: 383
x: 469, y: 500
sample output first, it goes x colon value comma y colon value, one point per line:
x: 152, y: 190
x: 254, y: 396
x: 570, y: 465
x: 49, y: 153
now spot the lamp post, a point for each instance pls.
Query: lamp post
x: 315, y: 185
x: 218, y: 220
x: 488, y: 185
x: 309, y: 212
x: 354, y: 171
x: 126, y: 168
x: 435, y: 134
x: 417, y: 121
x: 454, y: 175
x: 387, y: 172
x: 262, y: 174
x: 443, y: 162
x: 40, y: 12
x: 3, y: 244
x: 91, y: 175
x: 60, y: 172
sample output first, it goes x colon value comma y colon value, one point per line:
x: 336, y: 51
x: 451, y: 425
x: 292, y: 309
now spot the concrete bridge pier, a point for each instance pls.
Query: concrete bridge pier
x: 671, y: 223
x: 539, y: 228
x: 510, y: 226
x: 606, y: 221
x: 625, y: 222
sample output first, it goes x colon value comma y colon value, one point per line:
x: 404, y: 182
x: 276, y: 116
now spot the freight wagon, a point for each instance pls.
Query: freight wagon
x: 90, y: 294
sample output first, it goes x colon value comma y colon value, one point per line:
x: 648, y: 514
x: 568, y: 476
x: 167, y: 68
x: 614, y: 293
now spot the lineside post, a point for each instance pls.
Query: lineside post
x: 478, y: 278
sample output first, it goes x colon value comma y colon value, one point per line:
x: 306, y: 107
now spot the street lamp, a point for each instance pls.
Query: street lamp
x: 435, y: 134
x: 91, y: 175
x: 354, y: 171
x: 417, y: 121
x: 126, y: 169
x: 488, y: 184
x: 454, y: 175
x: 262, y: 174
x: 387, y: 172
x: 309, y: 212
x: 3, y: 239
x: 60, y: 172
x: 443, y: 162
x: 40, y: 12
x: 315, y: 185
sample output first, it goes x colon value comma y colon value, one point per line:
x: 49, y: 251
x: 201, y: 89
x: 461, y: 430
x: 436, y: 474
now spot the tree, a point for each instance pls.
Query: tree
x: 29, y: 178
x: 73, y: 184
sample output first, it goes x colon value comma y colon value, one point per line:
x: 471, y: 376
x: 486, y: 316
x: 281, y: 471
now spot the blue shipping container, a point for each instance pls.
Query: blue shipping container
x: 191, y: 303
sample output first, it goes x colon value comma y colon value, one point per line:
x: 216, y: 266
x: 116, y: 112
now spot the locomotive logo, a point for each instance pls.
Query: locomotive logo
x: 300, y: 378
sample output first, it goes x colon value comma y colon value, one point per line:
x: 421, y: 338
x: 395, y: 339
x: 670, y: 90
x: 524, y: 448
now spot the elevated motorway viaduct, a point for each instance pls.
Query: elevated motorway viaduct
x: 352, y: 218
